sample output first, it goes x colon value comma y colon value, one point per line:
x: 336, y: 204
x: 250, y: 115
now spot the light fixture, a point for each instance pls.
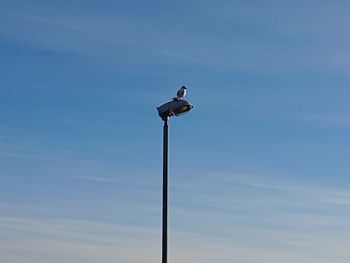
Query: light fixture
x: 174, y: 108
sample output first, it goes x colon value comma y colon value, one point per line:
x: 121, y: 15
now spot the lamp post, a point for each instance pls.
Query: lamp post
x: 175, y: 107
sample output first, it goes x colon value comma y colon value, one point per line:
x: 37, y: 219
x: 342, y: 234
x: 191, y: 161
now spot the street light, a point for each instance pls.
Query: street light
x: 176, y: 107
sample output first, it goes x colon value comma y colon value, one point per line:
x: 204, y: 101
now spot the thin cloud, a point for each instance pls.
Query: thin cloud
x: 79, y: 240
x: 95, y: 179
x: 124, y: 39
x: 21, y: 155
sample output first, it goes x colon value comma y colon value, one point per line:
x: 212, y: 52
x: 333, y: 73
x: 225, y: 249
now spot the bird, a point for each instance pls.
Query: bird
x: 181, y: 93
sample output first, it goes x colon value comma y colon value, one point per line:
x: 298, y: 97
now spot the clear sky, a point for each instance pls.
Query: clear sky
x: 259, y: 169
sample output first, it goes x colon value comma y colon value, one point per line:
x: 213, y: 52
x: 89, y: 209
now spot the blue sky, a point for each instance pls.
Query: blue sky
x: 258, y: 169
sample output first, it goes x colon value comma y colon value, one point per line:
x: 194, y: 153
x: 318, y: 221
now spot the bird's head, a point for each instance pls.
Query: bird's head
x: 183, y: 87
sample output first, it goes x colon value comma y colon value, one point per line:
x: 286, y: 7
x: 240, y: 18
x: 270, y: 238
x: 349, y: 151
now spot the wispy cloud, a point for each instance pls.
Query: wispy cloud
x: 53, y: 240
x: 250, y: 217
x: 129, y: 38
x: 261, y: 202
x: 329, y: 119
x: 49, y: 240
x: 12, y: 154
x: 95, y: 179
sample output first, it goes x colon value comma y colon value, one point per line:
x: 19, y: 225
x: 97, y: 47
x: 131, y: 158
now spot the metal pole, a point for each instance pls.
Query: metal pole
x: 165, y: 191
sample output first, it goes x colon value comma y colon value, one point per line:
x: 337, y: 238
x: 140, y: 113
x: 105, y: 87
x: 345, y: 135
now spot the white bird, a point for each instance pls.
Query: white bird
x: 181, y: 93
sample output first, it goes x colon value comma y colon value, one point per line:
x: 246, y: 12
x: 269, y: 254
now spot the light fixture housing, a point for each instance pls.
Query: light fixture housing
x: 176, y: 107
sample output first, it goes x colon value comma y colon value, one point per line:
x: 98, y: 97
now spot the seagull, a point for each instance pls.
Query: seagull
x: 181, y: 93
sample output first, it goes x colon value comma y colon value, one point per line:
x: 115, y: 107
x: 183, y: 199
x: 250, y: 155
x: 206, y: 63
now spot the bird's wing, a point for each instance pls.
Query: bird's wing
x: 180, y: 93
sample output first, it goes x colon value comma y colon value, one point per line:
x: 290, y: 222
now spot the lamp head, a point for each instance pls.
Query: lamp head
x: 174, y: 108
